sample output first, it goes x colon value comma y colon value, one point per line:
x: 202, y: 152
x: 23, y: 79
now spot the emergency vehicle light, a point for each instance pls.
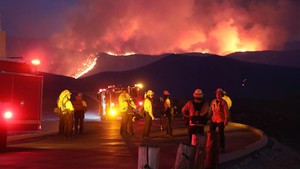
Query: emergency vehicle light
x: 102, y: 90
x: 8, y: 115
x: 112, y: 112
x: 140, y: 103
x: 139, y: 85
x: 35, y: 62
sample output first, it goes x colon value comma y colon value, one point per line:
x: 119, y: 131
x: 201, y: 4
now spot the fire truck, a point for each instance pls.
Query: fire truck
x: 108, y: 100
x: 20, y: 97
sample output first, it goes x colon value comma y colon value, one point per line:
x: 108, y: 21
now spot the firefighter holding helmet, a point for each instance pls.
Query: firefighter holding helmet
x: 148, y: 109
x: 66, y: 113
x: 219, y: 119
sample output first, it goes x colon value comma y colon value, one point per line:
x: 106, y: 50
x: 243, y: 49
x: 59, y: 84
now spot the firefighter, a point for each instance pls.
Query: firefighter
x: 67, y: 109
x: 229, y: 103
x: 219, y: 117
x: 80, y: 108
x: 197, y: 111
x: 148, y: 109
x: 167, y: 112
x: 129, y: 115
x: 123, y: 104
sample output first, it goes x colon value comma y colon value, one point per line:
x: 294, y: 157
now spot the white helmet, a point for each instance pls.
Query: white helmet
x: 198, y: 93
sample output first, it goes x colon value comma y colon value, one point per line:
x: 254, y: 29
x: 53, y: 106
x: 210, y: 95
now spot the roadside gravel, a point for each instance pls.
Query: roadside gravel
x: 274, y: 156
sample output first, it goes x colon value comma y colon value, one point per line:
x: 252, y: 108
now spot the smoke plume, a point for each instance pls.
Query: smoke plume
x: 164, y: 26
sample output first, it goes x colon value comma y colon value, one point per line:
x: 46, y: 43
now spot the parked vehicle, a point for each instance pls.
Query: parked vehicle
x: 108, y: 100
x: 20, y: 98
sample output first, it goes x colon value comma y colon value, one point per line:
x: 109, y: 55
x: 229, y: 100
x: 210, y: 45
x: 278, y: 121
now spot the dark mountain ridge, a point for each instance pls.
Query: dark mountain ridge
x: 106, y: 62
x: 289, y: 58
x: 182, y: 74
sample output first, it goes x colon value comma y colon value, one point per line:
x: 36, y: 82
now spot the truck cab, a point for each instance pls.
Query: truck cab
x: 108, y: 100
x: 20, y: 99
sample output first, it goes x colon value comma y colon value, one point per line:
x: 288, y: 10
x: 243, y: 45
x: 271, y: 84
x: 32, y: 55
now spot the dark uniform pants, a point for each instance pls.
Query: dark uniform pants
x: 123, y: 128
x: 78, y: 117
x: 221, y: 128
x: 168, y: 125
x: 68, y: 126
x: 147, y: 125
x: 61, y: 127
x: 195, y: 130
x: 129, y: 123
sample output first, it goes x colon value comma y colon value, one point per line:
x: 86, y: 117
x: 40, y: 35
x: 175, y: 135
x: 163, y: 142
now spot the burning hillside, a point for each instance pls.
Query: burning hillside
x: 178, y: 26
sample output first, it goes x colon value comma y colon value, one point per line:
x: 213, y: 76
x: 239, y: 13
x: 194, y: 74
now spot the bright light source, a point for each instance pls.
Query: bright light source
x: 112, y: 112
x: 101, y: 90
x: 35, y: 62
x: 8, y: 115
x: 140, y: 103
x: 139, y: 85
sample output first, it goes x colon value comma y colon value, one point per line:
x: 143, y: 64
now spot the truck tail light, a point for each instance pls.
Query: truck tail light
x: 8, y: 115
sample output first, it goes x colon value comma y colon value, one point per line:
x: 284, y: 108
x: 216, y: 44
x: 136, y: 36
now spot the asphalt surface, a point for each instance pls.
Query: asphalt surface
x: 101, y: 145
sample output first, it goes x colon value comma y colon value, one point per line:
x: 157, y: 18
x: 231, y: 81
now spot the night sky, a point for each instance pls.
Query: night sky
x: 81, y: 28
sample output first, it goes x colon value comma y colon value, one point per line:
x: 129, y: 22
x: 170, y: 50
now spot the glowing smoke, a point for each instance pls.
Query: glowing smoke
x: 161, y: 26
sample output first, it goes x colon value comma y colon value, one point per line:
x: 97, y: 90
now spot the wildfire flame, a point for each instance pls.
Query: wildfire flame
x: 87, y: 65
x: 157, y: 27
x: 121, y: 54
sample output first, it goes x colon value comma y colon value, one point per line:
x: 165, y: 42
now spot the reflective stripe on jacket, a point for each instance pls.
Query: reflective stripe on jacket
x: 219, y: 110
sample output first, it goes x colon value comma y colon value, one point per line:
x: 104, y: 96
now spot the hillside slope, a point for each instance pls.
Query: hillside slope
x: 182, y: 74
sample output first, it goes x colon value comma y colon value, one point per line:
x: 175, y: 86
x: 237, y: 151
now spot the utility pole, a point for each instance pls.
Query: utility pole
x: 2, y: 39
x: 0, y: 20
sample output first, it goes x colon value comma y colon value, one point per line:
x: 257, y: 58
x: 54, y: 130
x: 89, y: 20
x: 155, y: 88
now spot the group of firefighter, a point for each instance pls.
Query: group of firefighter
x: 71, y: 114
x: 198, y: 112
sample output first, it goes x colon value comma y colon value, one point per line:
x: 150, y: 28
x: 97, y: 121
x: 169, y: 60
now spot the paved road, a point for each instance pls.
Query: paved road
x: 101, y: 146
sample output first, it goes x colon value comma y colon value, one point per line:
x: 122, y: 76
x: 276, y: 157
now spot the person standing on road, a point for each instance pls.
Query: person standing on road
x: 129, y: 115
x: 80, y: 108
x: 148, y: 109
x: 67, y: 110
x: 229, y: 103
x: 219, y: 117
x: 197, y: 111
x: 167, y: 112
x: 123, y: 104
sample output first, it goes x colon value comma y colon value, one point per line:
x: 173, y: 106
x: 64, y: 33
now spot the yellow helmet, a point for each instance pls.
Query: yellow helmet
x: 64, y: 93
x: 149, y: 92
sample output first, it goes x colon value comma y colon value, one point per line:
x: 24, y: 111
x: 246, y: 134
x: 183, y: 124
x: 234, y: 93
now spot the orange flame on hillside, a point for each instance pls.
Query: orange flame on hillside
x: 156, y: 27
x: 86, y: 66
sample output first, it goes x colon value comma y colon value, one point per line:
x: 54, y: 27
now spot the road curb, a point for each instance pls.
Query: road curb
x: 226, y: 157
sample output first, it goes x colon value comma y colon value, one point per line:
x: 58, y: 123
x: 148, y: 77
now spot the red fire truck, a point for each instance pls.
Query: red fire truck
x: 108, y: 100
x: 20, y: 97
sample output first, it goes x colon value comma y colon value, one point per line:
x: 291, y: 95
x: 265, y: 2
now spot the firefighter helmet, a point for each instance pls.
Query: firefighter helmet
x: 64, y: 93
x: 149, y: 92
x: 198, y: 93
x: 166, y: 93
